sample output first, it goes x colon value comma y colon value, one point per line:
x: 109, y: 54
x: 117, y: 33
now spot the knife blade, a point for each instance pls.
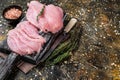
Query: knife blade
x: 60, y: 38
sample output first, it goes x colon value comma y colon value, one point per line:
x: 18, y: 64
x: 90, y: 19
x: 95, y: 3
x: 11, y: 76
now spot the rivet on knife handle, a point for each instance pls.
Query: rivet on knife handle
x: 69, y: 26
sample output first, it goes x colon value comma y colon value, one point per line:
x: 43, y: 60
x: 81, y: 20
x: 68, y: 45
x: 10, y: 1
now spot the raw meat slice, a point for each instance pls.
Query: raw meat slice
x: 28, y: 29
x: 24, y: 47
x: 24, y: 39
x: 33, y: 11
x: 49, y: 21
x: 13, y: 42
x: 35, y: 44
x: 54, y: 18
x: 43, y: 23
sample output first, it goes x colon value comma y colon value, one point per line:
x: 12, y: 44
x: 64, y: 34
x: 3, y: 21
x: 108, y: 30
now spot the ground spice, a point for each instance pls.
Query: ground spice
x: 13, y: 13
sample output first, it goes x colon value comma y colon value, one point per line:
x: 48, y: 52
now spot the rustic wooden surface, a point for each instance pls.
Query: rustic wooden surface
x: 98, y: 56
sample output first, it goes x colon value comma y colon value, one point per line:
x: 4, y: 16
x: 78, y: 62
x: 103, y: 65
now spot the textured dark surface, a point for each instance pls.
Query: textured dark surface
x: 98, y: 56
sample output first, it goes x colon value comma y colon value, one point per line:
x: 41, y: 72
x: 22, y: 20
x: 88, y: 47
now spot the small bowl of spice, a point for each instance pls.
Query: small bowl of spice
x: 13, y: 13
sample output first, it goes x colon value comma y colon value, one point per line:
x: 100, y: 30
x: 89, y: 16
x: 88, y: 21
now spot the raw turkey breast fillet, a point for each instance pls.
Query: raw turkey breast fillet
x: 49, y: 21
x: 24, y: 39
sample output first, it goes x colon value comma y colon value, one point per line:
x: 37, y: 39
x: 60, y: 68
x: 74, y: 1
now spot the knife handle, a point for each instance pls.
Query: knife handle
x: 70, y: 25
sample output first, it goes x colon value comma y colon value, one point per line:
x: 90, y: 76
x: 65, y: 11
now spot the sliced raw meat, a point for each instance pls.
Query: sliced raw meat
x: 24, y: 39
x: 43, y: 24
x: 13, y: 42
x: 33, y: 11
x: 16, y: 45
x: 54, y: 17
x: 24, y: 47
x: 28, y: 29
x: 35, y: 44
x: 49, y: 21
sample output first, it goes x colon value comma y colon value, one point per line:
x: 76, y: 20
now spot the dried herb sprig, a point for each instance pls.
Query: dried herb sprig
x: 63, y: 50
x: 41, y: 12
x: 59, y: 50
x: 60, y: 57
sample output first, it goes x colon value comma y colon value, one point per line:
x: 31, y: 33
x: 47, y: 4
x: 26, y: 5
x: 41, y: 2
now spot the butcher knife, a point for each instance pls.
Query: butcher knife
x: 59, y: 39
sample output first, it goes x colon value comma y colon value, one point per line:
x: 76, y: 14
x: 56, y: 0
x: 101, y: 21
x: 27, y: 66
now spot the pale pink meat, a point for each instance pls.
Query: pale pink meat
x: 32, y: 12
x: 16, y: 45
x: 34, y: 43
x: 24, y: 26
x: 10, y: 42
x: 24, y: 39
x: 23, y: 47
x: 54, y: 17
x: 13, y: 42
x: 60, y: 10
x: 49, y: 21
x: 34, y: 46
x: 43, y: 23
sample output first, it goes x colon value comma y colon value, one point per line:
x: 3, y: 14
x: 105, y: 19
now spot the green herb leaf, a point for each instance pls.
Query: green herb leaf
x: 41, y: 12
x: 60, y: 58
x: 60, y: 49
